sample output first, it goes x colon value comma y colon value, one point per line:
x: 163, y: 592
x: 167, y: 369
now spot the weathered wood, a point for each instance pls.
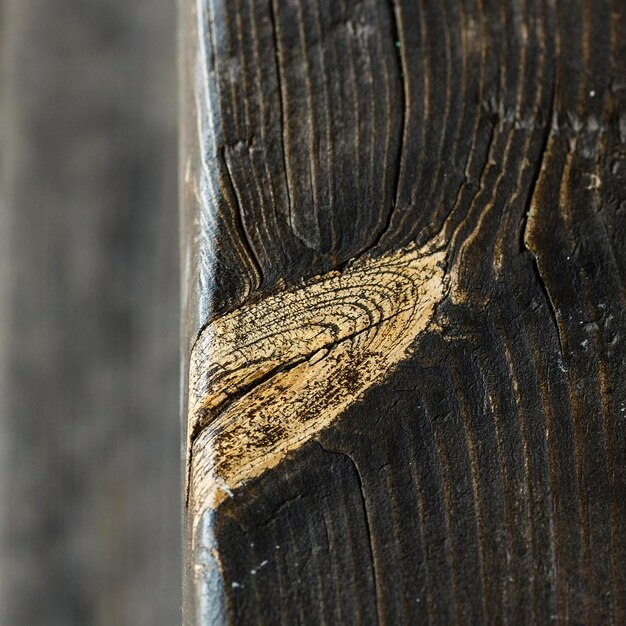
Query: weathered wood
x: 404, y: 247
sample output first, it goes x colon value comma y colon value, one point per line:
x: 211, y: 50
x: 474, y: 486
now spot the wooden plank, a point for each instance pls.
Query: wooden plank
x: 405, y: 263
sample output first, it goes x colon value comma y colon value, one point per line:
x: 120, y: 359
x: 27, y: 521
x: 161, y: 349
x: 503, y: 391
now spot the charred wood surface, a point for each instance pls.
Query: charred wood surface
x: 405, y: 268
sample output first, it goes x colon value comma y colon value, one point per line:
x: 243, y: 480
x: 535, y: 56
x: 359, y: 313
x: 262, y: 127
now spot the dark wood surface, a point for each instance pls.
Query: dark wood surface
x: 478, y: 149
x: 89, y: 314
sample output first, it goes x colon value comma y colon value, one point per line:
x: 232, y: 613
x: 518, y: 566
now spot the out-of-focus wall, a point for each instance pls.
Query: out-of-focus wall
x: 89, y: 427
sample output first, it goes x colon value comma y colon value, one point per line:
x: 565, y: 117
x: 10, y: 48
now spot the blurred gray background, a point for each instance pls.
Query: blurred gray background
x: 89, y: 426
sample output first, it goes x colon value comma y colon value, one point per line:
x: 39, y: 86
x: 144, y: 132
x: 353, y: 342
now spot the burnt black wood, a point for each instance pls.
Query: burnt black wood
x: 484, y: 481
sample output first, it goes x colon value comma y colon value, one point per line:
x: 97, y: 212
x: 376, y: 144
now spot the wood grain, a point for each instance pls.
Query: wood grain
x: 479, y: 477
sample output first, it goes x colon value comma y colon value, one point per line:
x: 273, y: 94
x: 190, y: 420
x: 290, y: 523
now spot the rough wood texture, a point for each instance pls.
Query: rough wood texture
x: 346, y: 465
x: 89, y: 301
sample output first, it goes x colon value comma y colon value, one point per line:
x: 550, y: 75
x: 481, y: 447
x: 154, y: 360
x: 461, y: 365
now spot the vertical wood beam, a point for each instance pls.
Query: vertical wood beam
x: 405, y: 257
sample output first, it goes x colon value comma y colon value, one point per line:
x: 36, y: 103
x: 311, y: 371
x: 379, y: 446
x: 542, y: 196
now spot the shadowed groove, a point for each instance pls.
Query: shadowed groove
x: 281, y: 102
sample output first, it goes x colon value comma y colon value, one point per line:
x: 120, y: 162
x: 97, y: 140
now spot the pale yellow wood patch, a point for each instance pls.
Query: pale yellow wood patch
x: 269, y: 376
